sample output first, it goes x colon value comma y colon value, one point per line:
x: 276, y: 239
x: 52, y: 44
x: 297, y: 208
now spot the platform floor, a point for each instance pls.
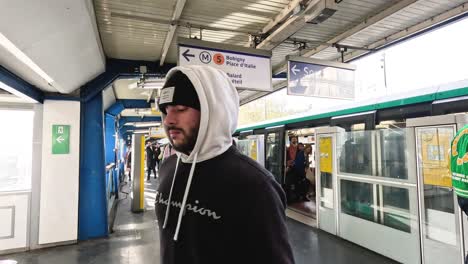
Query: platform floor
x: 135, y: 241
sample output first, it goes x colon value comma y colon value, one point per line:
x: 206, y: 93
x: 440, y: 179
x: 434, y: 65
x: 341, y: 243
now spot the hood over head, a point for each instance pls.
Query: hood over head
x: 219, y: 108
x: 218, y: 102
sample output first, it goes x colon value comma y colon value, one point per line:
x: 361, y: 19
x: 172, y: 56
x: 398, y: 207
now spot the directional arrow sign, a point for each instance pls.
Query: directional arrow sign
x: 186, y: 54
x: 247, y: 68
x: 294, y: 70
x: 60, y: 139
x: 319, y: 78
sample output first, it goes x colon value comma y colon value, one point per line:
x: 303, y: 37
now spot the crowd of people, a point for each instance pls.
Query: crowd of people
x: 155, y: 154
x: 297, y: 165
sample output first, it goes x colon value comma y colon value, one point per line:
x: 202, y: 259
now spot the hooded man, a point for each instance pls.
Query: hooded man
x: 224, y: 207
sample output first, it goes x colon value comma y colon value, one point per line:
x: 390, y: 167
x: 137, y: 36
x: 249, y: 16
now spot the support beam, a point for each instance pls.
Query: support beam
x: 180, y: 23
x: 172, y: 29
x: 296, y: 22
x: 282, y: 15
x: 117, y: 68
x: 361, y: 26
x: 122, y: 104
x: 15, y: 85
x: 92, y: 216
x: 420, y: 28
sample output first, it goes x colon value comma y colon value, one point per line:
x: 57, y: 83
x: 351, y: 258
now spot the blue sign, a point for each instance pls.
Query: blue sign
x: 311, y: 79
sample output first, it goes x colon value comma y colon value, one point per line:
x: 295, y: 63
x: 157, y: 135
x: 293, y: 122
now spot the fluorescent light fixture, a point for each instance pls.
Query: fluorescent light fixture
x: 147, y: 124
x: 144, y: 131
x: 152, y: 85
x: 10, y: 47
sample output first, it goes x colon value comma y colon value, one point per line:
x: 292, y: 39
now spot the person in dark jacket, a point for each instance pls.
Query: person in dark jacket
x: 214, y: 204
x: 150, y: 161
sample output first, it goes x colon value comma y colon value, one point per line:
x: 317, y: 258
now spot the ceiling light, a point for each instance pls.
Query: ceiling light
x: 152, y: 86
x: 10, y: 47
x: 147, y: 124
x: 142, y: 131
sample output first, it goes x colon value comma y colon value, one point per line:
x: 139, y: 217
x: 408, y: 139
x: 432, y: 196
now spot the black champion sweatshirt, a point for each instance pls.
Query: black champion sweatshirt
x: 234, y: 213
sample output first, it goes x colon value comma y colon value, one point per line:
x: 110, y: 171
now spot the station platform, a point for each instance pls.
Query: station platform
x: 135, y: 240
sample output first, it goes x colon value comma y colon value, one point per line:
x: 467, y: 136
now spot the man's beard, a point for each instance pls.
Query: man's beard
x: 189, y: 141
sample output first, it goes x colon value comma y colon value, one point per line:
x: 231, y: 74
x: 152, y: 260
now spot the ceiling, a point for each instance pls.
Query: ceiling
x: 58, y: 36
x: 149, y: 30
x: 69, y: 40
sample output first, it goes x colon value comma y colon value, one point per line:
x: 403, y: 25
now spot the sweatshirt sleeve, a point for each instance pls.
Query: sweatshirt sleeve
x: 267, y: 232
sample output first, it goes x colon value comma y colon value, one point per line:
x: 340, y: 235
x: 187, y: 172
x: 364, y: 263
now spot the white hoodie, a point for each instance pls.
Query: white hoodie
x: 219, y: 108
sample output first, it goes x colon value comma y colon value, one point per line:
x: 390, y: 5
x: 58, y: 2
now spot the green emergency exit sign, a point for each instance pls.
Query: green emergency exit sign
x: 60, y: 139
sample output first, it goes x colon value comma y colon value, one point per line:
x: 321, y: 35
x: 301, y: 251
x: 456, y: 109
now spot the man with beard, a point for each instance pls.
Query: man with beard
x: 213, y: 204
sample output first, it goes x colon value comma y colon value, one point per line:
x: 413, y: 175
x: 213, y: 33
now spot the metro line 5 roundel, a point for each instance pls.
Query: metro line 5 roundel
x: 218, y: 59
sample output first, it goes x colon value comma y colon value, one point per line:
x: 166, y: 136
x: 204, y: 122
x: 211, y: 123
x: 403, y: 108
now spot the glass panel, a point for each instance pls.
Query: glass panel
x: 326, y: 190
x: 273, y: 157
x: 379, y: 153
x: 392, y: 209
x: 396, y: 208
x: 355, y: 153
x: 439, y: 213
x: 16, y: 150
x: 357, y: 199
x: 393, y: 158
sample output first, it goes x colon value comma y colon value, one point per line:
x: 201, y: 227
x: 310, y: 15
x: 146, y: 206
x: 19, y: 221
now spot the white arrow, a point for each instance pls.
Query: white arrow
x: 294, y: 70
x: 60, y: 139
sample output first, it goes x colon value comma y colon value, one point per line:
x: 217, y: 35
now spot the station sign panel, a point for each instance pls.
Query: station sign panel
x: 319, y: 78
x: 157, y: 132
x: 60, y: 139
x: 248, y: 68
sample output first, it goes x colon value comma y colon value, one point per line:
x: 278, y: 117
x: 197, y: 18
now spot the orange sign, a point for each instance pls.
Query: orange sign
x: 218, y: 58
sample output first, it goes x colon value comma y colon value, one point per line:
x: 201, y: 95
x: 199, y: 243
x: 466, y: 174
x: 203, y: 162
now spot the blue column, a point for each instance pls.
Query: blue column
x: 92, y: 212
x: 110, y: 139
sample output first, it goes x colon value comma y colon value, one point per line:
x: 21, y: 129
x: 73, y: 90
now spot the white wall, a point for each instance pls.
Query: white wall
x: 58, y: 220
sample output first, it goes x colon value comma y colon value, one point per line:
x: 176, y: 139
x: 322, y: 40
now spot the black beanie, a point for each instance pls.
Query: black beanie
x: 178, y: 90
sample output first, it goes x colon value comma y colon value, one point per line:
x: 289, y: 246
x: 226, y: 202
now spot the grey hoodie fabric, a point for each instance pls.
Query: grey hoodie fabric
x: 217, y: 205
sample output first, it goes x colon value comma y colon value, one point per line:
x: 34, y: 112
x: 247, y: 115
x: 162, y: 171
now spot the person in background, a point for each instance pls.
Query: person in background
x: 301, y: 164
x: 149, y: 160
x: 291, y: 151
x: 156, y: 153
x: 459, y: 169
x: 128, y: 162
x: 201, y: 215
x: 290, y: 176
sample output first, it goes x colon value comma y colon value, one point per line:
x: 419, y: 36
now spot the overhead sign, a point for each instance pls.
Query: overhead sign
x: 60, y: 139
x: 318, y: 78
x: 247, y: 68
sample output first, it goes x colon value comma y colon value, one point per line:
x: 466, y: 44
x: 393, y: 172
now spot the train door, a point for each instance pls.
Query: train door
x: 326, y: 187
x: 439, y: 214
x: 274, y: 154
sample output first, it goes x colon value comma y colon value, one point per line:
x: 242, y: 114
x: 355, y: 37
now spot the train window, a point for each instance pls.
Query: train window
x: 390, y: 208
x: 273, y: 157
x: 358, y: 127
x: 357, y: 199
x: 378, y: 153
x: 395, y: 210
x: 355, y: 153
x: 392, y: 162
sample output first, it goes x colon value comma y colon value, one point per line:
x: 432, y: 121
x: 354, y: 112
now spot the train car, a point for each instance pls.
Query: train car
x: 379, y: 167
